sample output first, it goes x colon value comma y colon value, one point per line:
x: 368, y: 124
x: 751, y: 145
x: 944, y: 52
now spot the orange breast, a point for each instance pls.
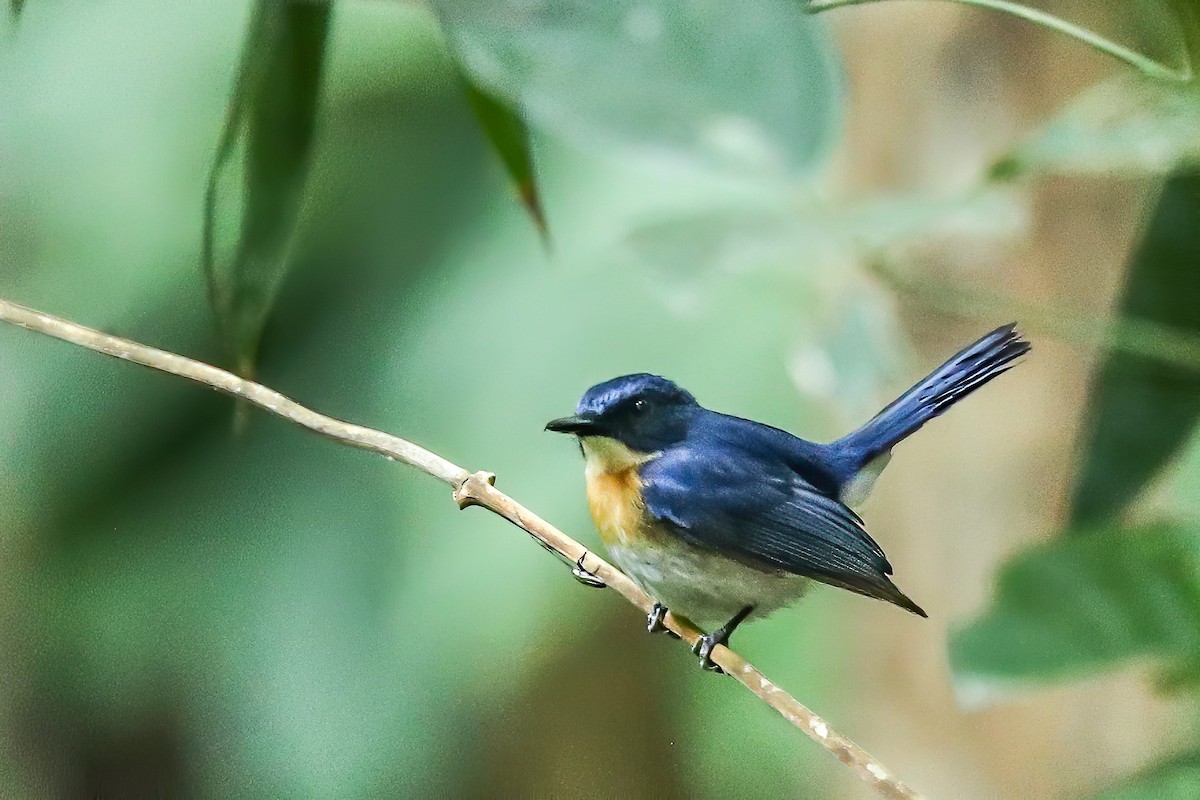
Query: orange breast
x: 615, y: 500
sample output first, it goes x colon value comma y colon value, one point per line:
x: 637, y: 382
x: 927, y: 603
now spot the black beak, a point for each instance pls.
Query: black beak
x: 580, y: 426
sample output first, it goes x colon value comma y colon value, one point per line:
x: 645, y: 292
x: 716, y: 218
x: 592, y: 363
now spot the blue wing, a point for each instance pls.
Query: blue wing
x: 759, y: 510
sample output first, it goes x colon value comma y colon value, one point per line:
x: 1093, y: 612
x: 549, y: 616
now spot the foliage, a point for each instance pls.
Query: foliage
x: 272, y: 117
x: 1175, y: 780
x: 509, y: 135
x: 258, y: 604
x: 1109, y: 592
x: 751, y: 87
x: 258, y: 600
x: 1096, y: 599
x: 1141, y: 410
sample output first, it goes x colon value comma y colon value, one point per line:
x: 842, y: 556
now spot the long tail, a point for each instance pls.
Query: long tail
x: 964, y: 373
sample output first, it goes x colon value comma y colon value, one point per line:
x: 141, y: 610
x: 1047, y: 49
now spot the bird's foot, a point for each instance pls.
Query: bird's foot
x: 704, y: 647
x: 654, y: 621
x: 705, y: 644
x: 586, y: 576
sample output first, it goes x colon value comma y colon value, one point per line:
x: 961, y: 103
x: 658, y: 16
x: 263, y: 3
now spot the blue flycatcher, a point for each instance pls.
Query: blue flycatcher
x: 723, y: 519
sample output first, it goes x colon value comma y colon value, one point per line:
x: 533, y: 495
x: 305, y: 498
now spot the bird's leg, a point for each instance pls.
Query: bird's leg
x: 654, y: 621
x: 585, y: 576
x: 705, y: 644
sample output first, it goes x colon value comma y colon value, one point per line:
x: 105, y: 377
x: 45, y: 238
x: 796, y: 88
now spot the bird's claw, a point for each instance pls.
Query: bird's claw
x: 703, y: 648
x: 586, y: 576
x: 654, y: 621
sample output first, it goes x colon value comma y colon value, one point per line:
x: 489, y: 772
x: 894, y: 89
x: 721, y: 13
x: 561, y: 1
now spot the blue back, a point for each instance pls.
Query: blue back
x: 762, y: 496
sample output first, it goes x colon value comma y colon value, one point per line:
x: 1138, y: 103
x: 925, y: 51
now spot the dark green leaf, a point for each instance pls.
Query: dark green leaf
x: 508, y: 134
x: 1188, y: 13
x: 1142, y: 410
x: 270, y: 124
x: 1178, y: 779
x: 15, y: 7
x: 1080, y: 604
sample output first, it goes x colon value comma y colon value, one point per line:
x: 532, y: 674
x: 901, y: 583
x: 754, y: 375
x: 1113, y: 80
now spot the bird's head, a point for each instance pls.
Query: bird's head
x: 630, y: 418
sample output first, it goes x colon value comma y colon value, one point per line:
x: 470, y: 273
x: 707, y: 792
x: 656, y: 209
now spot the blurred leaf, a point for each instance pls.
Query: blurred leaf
x: 178, y: 569
x: 1142, y: 410
x: 888, y: 222
x: 272, y: 118
x: 1188, y: 14
x: 1127, y: 124
x: 509, y: 136
x: 15, y: 7
x: 1181, y: 495
x: 1178, y: 779
x: 1079, y: 604
x: 722, y: 83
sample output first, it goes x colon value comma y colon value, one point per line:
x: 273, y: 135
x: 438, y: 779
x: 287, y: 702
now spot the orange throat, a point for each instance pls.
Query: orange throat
x: 614, y: 490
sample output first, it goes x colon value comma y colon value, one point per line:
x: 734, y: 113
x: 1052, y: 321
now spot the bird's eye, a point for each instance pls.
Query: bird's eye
x: 640, y: 406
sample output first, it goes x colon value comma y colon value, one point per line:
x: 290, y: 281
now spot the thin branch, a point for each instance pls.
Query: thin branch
x: 470, y: 489
x: 1147, y: 66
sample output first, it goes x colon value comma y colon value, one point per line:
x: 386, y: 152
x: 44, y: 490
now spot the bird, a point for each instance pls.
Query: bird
x: 725, y: 520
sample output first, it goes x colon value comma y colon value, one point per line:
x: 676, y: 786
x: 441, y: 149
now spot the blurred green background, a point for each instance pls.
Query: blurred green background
x: 795, y: 217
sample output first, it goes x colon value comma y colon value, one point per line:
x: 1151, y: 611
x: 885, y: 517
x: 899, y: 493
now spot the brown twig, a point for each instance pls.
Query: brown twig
x: 470, y: 489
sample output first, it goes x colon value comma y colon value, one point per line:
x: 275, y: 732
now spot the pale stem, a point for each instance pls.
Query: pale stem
x: 1146, y: 65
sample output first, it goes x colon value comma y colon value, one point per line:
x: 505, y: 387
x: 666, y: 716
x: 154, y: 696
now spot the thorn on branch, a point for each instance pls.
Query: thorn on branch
x: 467, y: 493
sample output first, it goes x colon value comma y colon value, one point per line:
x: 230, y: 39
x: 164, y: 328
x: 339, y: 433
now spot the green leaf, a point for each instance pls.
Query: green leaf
x: 271, y: 124
x: 509, y: 136
x: 15, y: 7
x: 1178, y: 779
x: 1188, y: 14
x: 724, y: 84
x: 1142, y: 410
x: 1076, y: 605
x: 1127, y: 125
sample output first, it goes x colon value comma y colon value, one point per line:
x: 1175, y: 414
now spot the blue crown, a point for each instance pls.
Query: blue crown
x: 641, y: 385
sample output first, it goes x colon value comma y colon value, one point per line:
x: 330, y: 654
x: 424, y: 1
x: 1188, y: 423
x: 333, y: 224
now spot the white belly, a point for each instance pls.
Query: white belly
x: 707, y: 588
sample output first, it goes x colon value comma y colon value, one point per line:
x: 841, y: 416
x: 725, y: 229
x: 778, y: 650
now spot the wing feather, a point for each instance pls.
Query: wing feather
x: 764, y: 513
